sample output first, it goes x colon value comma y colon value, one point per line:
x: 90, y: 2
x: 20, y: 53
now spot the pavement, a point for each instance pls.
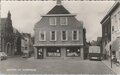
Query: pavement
x: 21, y: 65
x: 114, y: 68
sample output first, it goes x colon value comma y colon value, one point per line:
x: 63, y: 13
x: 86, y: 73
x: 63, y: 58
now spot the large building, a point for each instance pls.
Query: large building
x: 111, y: 31
x: 10, y: 37
x: 59, y: 35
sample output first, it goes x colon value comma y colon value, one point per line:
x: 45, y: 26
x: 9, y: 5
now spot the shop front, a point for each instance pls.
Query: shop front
x: 59, y: 52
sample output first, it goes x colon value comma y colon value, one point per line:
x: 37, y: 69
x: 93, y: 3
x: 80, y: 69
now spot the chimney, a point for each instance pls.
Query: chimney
x: 58, y: 2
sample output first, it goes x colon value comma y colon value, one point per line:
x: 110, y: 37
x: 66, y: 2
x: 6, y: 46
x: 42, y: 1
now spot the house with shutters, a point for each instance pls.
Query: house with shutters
x: 59, y: 35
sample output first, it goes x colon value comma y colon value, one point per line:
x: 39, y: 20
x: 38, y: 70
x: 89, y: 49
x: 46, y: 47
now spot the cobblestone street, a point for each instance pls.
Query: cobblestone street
x: 20, y: 65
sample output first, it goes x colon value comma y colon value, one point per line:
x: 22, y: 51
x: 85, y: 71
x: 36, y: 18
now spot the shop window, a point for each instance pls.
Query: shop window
x: 52, y: 20
x: 75, y: 35
x: 63, y: 20
x: 53, y: 52
x: 64, y: 35
x: 73, y: 52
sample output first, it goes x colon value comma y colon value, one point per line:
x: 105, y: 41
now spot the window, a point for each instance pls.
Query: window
x: 73, y: 52
x: 64, y: 35
x: 115, y: 17
x: 119, y: 19
x: 112, y: 28
x: 119, y: 54
x: 53, y: 52
x: 63, y: 20
x: 53, y: 35
x: 42, y: 36
x: 75, y: 35
x: 52, y: 20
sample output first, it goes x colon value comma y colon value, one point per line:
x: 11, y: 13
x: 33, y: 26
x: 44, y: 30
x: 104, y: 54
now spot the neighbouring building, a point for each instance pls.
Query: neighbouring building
x: 0, y: 29
x: 9, y: 36
x: 26, y: 43
x: 85, y: 44
x: 111, y: 31
x: 59, y: 35
x: 17, y: 42
x: 93, y: 43
x: 115, y: 30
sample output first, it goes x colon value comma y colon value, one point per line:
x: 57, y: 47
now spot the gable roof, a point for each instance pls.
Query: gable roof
x: 58, y: 9
x: 99, y: 38
x: 113, y: 8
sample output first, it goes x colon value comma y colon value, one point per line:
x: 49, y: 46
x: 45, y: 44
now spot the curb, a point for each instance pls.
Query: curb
x: 109, y: 68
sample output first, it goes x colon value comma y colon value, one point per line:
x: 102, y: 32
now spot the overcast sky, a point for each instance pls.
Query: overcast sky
x: 26, y: 13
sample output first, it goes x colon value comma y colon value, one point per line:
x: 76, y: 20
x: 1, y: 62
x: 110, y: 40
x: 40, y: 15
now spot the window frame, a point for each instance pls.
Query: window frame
x: 51, y: 20
x: 77, y: 35
x: 55, y: 36
x: 53, y: 52
x: 79, y: 54
x: 62, y: 35
x: 66, y: 19
x: 44, y: 32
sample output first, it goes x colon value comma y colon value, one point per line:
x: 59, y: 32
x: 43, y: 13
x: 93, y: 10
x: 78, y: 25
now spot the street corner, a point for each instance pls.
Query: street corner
x: 114, y: 67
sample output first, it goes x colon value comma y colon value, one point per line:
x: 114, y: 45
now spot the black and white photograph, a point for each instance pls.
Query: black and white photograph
x: 59, y: 37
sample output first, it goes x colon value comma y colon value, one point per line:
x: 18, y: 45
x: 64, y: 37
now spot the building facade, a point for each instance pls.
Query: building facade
x: 59, y: 35
x: 111, y: 30
x: 26, y: 44
x: 9, y: 36
x: 115, y: 22
x: 106, y: 36
x: 115, y: 31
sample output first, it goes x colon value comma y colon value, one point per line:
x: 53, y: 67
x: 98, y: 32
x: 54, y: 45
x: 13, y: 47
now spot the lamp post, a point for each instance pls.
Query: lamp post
x: 111, y: 56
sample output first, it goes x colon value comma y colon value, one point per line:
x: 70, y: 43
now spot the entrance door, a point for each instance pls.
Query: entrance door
x: 40, y: 53
x: 8, y: 51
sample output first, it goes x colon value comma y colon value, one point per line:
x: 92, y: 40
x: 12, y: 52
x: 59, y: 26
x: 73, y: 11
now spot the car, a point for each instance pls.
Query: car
x: 3, y: 56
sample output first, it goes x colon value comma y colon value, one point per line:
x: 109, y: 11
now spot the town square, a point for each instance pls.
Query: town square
x: 59, y: 37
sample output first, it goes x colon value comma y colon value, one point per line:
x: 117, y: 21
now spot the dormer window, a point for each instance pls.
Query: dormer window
x: 52, y: 20
x: 63, y: 20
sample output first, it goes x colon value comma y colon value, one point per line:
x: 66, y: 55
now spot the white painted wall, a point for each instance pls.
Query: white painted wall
x: 115, y: 23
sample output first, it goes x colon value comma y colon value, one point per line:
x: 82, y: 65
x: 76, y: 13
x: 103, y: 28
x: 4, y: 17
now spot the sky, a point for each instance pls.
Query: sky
x: 25, y: 14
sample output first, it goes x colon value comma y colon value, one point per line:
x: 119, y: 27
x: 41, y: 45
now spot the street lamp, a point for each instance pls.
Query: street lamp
x: 111, y: 55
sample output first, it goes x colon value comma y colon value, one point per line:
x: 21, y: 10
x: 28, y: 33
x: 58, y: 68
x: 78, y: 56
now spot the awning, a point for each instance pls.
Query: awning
x: 116, y: 44
x: 38, y: 44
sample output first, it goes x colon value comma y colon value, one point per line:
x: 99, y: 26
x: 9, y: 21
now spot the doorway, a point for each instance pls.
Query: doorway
x: 40, y: 53
x: 8, y: 49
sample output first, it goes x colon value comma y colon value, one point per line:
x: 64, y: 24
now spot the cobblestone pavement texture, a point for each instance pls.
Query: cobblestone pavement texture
x: 21, y: 65
x: 115, y: 67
